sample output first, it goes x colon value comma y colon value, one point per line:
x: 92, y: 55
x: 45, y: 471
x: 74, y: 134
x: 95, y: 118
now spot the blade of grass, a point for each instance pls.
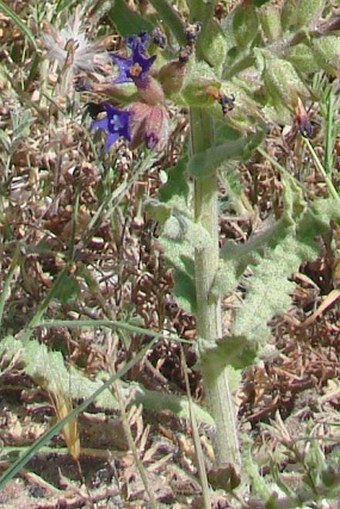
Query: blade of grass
x: 43, y: 306
x: 329, y: 138
x: 111, y: 324
x: 332, y: 190
x: 197, y: 443
x: 44, y: 439
x: 132, y: 445
x: 19, y: 22
x: 8, y: 280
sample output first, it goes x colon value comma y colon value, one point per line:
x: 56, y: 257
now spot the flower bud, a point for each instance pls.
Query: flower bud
x: 150, y: 91
x: 149, y: 125
x: 245, y: 24
x: 172, y: 76
x: 282, y: 81
x: 270, y: 19
x: 327, y: 53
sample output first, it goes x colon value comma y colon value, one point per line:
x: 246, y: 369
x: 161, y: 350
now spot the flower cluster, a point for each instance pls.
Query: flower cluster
x: 146, y: 119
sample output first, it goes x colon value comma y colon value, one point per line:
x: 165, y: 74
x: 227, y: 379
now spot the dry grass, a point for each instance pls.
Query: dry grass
x: 65, y: 204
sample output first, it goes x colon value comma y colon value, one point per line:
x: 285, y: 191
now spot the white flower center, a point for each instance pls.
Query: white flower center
x: 116, y: 123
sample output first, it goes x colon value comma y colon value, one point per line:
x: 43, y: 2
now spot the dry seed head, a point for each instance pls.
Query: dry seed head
x: 71, y: 47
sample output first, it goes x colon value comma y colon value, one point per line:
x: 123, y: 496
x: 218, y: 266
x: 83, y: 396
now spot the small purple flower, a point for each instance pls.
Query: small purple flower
x: 116, y: 124
x: 142, y: 40
x: 136, y: 66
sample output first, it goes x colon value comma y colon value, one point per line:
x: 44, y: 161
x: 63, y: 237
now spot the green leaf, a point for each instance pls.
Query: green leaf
x: 170, y: 18
x: 213, y: 45
x: 180, y: 255
x: 180, y: 228
x: 237, y: 148
x: 128, y: 21
x: 270, y: 18
x: 289, y: 14
x: 282, y: 80
x: 303, y: 58
x: 236, y: 257
x: 159, y: 211
x: 268, y: 292
x: 200, y: 76
x: 178, y: 405
x: 245, y: 24
x: 56, y: 428
x: 326, y: 50
x: 207, y: 162
x: 48, y: 370
x: 184, y: 288
x: 69, y: 289
x: 308, y: 12
x: 177, y: 186
x: 235, y: 351
x: 273, y: 256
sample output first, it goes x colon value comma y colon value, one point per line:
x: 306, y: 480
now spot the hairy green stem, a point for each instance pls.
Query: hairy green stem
x: 209, y: 323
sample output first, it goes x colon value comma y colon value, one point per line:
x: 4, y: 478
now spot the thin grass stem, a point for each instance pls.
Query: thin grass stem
x: 333, y: 192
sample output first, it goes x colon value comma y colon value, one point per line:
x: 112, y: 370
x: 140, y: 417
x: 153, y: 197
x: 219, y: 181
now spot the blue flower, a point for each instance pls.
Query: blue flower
x: 142, y: 40
x: 135, y: 67
x: 116, y: 124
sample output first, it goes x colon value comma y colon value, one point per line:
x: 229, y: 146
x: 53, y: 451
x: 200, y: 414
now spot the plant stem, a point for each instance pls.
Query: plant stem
x: 209, y: 323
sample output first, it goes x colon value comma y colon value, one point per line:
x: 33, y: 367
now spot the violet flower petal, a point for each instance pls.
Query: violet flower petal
x: 124, y: 65
x: 112, y: 137
x: 136, y: 66
x: 142, y: 39
x: 116, y: 124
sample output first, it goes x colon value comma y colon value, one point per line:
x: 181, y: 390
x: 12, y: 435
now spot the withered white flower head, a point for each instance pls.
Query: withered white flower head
x: 71, y: 48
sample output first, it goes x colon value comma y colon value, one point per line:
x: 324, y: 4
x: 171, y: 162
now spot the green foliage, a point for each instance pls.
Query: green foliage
x: 326, y: 51
x: 128, y: 21
x: 177, y: 187
x: 213, y: 46
x: 288, y: 15
x: 282, y: 80
x: 200, y: 76
x: 303, y: 58
x: 205, y: 163
x: 263, y: 51
x: 308, y: 11
x: 273, y: 256
x: 47, y: 369
x: 245, y: 24
x: 230, y: 146
x: 68, y: 290
x: 316, y: 478
x: 270, y: 18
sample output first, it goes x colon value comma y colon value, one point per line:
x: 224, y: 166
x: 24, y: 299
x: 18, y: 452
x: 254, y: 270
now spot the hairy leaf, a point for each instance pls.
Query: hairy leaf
x: 48, y: 370
x: 127, y: 21
x: 157, y: 401
x: 273, y: 256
